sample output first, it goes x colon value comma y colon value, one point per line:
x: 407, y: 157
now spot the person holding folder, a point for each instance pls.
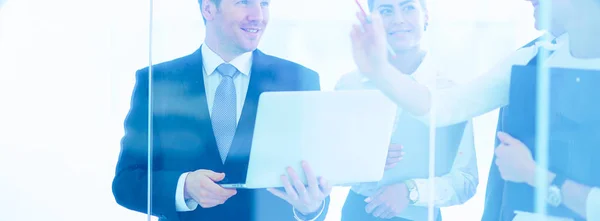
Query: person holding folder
x: 573, y: 184
x: 403, y: 193
x: 577, y: 18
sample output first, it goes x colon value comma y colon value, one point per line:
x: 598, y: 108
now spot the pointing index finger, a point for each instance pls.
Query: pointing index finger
x: 395, y: 147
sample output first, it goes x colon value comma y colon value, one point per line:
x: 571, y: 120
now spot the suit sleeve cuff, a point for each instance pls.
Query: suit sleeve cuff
x: 310, y: 217
x: 181, y: 204
x: 593, y: 201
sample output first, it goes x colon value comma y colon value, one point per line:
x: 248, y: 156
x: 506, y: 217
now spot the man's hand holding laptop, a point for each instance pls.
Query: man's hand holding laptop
x: 309, y: 199
x: 201, y: 186
x: 305, y: 199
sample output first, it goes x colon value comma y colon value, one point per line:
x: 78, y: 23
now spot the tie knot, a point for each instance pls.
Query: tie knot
x: 227, y: 70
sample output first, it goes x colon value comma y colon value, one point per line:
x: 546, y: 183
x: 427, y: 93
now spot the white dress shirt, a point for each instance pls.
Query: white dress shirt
x: 454, y: 188
x: 484, y: 93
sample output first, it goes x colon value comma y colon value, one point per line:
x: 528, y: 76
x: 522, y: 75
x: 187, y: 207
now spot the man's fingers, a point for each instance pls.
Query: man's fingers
x: 374, y: 203
x: 365, y: 20
x: 390, y: 166
x: 216, y: 177
x: 355, y: 36
x: 325, y: 186
x: 379, y: 211
x: 288, y: 188
x: 229, y: 192
x: 372, y: 197
x: 501, y: 150
x: 311, y: 178
x: 371, y: 206
x: 395, y: 147
x: 395, y: 154
x: 298, y: 185
x: 393, y: 160
x: 500, y: 164
x: 507, y: 139
x: 217, y: 190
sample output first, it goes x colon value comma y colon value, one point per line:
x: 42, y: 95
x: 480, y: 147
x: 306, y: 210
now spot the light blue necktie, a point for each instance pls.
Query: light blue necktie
x: 224, y: 111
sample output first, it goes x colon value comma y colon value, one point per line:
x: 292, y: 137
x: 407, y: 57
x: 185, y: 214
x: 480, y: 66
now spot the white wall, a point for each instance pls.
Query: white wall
x: 67, y: 71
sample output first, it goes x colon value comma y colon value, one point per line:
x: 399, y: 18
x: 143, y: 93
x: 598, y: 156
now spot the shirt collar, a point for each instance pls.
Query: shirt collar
x: 211, y: 61
x: 555, y: 44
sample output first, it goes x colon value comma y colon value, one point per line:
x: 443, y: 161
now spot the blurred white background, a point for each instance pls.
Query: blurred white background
x: 67, y: 70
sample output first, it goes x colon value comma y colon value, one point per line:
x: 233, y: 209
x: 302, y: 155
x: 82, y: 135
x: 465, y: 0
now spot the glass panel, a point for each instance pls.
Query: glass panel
x: 542, y: 117
x: 130, y: 40
x: 469, y: 39
x: 64, y: 93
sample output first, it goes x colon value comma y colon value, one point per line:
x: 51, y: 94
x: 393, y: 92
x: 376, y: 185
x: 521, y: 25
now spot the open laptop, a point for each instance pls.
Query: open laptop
x: 343, y: 135
x: 573, y: 124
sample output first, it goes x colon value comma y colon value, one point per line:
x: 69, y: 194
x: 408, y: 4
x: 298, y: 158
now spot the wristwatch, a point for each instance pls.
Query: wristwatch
x: 309, y: 217
x: 554, y: 192
x: 413, y: 191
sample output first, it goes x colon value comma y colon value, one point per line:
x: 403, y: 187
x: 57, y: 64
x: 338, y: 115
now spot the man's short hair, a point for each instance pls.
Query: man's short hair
x: 217, y: 3
x: 372, y: 4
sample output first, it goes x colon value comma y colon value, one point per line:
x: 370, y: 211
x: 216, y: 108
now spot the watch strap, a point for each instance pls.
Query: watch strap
x: 413, y: 191
x: 559, y: 181
x: 554, y: 191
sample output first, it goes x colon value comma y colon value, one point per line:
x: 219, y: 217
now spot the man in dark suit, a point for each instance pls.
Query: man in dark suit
x: 203, y: 113
x: 572, y: 154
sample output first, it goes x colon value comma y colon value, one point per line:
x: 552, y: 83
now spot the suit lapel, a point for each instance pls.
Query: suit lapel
x: 261, y: 79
